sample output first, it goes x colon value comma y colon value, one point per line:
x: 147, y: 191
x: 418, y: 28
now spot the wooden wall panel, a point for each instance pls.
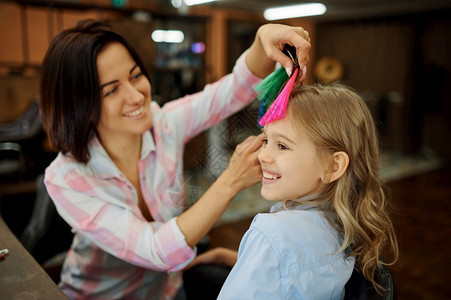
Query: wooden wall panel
x: 10, y: 34
x: 22, y: 47
x: 37, y: 33
x: 71, y: 17
x: 376, y: 55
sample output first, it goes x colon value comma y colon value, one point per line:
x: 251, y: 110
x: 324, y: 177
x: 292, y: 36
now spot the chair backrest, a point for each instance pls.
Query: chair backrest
x: 20, y: 146
x: 359, y: 288
x: 46, y: 233
x: 42, y: 214
x: 12, y: 161
x: 25, y: 127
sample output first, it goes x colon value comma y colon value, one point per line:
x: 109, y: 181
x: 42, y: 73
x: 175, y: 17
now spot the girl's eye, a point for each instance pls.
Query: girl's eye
x: 265, y: 141
x: 282, y: 147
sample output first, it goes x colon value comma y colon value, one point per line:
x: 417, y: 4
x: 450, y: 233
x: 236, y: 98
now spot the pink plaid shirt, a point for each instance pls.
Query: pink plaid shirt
x: 116, y: 253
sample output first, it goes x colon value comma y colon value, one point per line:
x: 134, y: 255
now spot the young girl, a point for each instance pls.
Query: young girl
x: 320, y: 163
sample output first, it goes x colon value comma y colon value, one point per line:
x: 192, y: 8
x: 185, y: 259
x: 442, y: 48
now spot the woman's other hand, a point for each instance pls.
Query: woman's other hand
x: 244, y: 168
x: 219, y: 255
x: 243, y: 171
x: 268, y: 46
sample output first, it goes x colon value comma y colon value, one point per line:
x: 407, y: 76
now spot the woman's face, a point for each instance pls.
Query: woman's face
x: 289, y: 162
x: 125, y: 93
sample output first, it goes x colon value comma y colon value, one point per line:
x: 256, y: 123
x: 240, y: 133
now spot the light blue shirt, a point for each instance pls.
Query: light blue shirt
x: 289, y: 254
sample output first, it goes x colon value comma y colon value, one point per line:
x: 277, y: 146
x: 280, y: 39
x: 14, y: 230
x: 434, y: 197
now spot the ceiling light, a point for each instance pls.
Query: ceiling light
x: 196, y: 2
x: 168, y: 36
x: 177, y: 3
x: 294, y: 11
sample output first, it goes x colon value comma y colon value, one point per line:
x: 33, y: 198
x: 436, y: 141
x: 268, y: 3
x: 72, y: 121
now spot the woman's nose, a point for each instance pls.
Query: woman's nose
x: 133, y: 94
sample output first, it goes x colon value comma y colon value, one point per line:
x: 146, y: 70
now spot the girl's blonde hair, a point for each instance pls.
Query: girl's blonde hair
x: 337, y: 119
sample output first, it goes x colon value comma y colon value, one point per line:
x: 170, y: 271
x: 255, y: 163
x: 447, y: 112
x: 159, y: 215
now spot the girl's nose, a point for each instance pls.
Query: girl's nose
x: 264, y: 156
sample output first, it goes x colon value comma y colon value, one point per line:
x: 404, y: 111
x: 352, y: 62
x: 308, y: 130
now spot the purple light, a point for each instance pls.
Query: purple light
x: 198, y: 47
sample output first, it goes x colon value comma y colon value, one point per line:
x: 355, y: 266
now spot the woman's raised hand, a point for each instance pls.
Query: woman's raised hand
x: 269, y: 44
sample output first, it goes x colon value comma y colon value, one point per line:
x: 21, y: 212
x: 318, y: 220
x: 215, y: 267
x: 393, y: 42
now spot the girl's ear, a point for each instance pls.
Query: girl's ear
x: 338, y: 166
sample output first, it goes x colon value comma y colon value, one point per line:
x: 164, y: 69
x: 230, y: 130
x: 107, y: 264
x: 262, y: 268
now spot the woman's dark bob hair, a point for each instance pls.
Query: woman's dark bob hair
x: 70, y: 95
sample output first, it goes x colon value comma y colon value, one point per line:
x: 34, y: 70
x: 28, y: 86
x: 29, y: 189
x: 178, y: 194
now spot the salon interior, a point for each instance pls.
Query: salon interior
x: 394, y: 53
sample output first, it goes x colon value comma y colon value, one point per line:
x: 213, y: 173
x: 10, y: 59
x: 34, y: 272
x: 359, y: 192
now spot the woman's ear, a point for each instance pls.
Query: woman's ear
x: 338, y: 166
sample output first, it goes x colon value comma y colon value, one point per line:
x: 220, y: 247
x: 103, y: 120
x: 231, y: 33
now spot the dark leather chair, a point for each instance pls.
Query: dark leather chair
x: 12, y: 161
x: 204, y: 282
x: 20, y: 153
x: 359, y: 288
x: 47, y: 237
x: 43, y: 213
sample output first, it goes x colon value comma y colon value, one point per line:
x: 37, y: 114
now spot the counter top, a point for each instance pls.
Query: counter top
x: 21, y: 277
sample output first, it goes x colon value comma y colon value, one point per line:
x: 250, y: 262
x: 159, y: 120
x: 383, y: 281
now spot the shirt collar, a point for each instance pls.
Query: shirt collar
x: 101, y: 163
x: 300, y: 206
x: 148, y: 143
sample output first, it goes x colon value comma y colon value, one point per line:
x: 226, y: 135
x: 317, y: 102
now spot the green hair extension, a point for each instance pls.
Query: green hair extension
x: 269, y: 88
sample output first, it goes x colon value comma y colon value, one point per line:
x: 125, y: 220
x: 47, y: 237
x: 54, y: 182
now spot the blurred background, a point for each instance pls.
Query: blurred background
x: 395, y: 53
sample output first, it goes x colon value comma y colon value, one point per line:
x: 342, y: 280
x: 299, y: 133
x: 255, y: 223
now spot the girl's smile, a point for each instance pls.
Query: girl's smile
x: 269, y: 177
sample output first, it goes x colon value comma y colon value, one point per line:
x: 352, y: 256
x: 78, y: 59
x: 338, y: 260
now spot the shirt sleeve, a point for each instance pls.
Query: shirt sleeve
x: 194, y: 113
x: 85, y: 203
x: 256, y: 272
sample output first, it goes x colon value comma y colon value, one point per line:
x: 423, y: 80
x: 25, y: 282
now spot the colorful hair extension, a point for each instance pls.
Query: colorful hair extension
x: 274, y: 91
x: 278, y: 108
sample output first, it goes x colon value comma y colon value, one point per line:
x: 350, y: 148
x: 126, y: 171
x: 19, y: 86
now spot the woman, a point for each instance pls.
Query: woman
x: 117, y: 180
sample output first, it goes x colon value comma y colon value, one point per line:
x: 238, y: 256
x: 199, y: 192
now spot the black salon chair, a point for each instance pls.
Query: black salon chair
x: 47, y: 237
x: 359, y: 288
x: 204, y: 282
x: 46, y: 233
x: 12, y: 162
x: 20, y: 153
x: 42, y: 214
x: 26, y: 127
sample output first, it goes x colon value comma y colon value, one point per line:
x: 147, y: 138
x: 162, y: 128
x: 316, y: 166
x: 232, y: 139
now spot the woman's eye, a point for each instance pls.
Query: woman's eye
x: 137, y: 75
x: 111, y: 91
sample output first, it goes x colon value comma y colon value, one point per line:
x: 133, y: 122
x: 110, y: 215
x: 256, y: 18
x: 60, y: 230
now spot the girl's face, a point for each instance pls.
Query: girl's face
x: 125, y: 94
x: 289, y: 162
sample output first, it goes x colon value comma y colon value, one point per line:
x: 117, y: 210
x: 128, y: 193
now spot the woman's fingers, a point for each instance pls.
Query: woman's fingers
x: 303, y: 73
x: 244, y: 166
x: 302, y: 47
x: 219, y: 255
x: 303, y: 33
x: 250, y: 144
x: 268, y: 48
x: 275, y: 36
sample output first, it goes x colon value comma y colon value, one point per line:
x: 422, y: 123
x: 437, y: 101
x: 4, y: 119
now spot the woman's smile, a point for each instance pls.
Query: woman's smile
x: 135, y: 113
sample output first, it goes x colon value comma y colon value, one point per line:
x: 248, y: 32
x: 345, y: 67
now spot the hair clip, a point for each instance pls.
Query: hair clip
x: 290, y: 51
x: 274, y: 91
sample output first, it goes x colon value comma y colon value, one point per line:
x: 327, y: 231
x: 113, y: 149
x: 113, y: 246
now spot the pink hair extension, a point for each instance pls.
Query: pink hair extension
x: 278, y: 108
